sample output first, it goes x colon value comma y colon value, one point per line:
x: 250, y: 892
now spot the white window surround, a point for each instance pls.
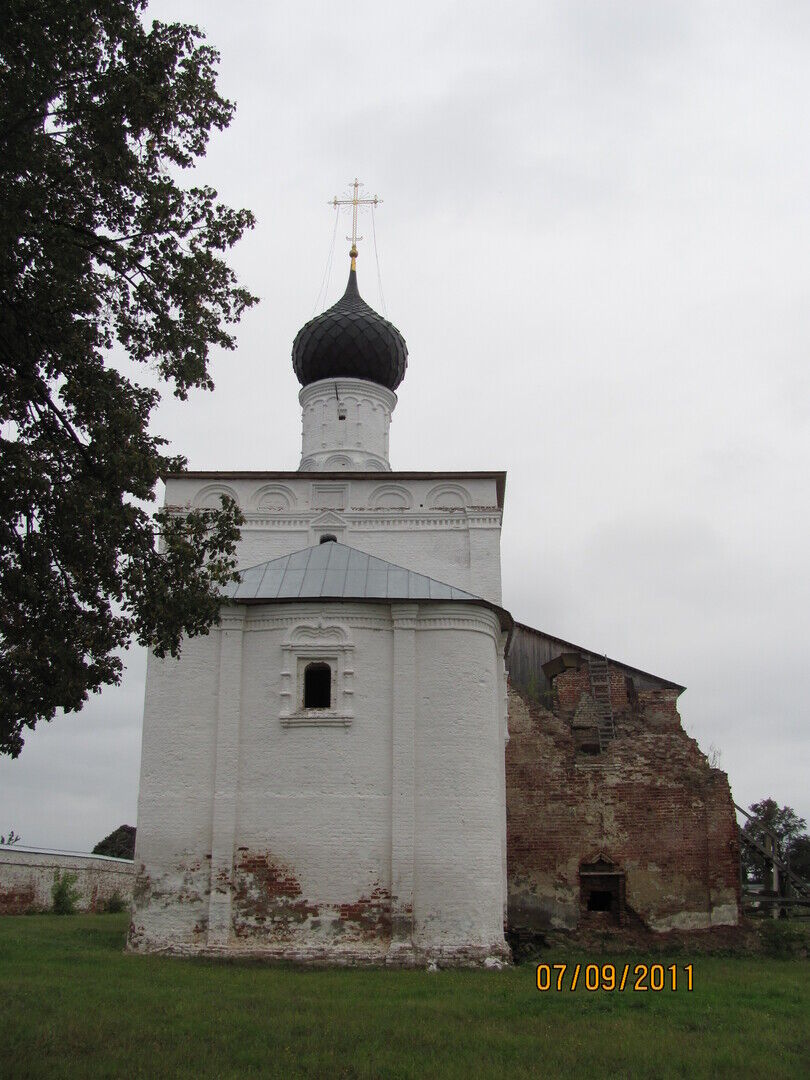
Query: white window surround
x: 317, y: 644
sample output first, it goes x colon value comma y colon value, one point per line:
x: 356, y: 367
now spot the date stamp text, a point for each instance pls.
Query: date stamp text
x: 637, y: 978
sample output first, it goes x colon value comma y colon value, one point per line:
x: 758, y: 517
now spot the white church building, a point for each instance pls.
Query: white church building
x: 322, y: 775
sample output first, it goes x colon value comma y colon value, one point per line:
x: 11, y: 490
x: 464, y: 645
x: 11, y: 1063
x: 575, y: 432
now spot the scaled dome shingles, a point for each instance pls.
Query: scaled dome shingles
x: 351, y: 341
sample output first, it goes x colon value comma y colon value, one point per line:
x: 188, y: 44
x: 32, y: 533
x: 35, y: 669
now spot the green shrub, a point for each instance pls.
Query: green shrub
x: 115, y: 903
x: 783, y: 937
x: 63, y: 893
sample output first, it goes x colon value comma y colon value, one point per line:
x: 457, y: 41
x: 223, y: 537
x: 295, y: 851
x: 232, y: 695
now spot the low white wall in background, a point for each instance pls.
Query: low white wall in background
x: 27, y: 877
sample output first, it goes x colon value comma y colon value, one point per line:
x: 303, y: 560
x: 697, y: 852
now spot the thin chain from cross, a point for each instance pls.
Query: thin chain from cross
x: 355, y: 201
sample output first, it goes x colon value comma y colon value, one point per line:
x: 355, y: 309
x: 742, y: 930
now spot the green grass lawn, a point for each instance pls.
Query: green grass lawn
x: 73, y: 1004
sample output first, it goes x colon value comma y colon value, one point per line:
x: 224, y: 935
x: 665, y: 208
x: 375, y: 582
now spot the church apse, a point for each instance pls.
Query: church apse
x: 295, y: 802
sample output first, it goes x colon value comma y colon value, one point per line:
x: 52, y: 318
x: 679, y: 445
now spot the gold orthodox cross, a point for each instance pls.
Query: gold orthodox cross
x: 354, y: 202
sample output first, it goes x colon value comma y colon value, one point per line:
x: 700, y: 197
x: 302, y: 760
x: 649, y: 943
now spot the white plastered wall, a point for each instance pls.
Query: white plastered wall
x: 345, y: 425
x: 446, y: 527
x: 374, y: 834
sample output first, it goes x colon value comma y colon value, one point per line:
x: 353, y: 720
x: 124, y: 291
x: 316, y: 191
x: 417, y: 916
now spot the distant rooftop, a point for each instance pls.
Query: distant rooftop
x: 22, y: 849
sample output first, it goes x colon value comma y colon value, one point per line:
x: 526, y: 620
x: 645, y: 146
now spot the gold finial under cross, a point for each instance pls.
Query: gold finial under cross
x: 354, y: 202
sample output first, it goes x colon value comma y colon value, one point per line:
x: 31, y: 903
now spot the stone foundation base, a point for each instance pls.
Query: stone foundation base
x: 378, y: 954
x: 408, y: 955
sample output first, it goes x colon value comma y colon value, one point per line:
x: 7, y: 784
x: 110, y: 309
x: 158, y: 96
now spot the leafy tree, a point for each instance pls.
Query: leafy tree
x: 106, y: 263
x: 120, y: 844
x: 787, y: 828
x: 799, y: 853
x: 10, y: 838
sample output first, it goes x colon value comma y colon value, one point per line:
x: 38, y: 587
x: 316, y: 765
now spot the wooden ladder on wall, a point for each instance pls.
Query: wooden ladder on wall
x: 600, y: 692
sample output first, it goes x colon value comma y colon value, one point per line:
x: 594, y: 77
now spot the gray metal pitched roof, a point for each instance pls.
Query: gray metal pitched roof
x: 335, y: 571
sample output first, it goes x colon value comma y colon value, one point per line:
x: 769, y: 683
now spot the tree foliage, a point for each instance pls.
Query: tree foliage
x: 106, y: 263
x: 120, y: 844
x: 788, y: 830
x: 64, y: 894
x: 800, y: 856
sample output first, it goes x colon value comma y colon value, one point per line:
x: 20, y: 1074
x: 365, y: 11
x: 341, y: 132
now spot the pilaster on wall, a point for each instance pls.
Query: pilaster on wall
x: 404, y: 617
x: 503, y: 739
x: 226, y: 773
x: 485, y: 558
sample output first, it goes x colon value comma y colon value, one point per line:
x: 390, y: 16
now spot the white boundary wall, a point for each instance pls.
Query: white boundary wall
x: 27, y: 877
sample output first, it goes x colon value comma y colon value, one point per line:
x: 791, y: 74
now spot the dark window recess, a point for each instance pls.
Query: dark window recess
x: 600, y: 900
x: 602, y: 889
x: 317, y: 686
x: 587, y: 743
x: 328, y: 538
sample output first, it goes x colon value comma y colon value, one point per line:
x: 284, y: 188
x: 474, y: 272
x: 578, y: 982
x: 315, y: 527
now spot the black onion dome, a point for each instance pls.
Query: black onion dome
x: 351, y: 341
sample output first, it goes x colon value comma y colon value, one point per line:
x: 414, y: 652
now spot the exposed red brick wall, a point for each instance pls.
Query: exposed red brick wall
x: 17, y: 901
x: 650, y: 804
x: 269, y: 906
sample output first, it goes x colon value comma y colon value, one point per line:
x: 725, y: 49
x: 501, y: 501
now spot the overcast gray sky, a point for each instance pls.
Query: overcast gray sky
x: 594, y: 237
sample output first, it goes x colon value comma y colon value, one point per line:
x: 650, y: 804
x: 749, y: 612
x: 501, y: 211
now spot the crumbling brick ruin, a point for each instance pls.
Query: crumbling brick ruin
x: 614, y: 815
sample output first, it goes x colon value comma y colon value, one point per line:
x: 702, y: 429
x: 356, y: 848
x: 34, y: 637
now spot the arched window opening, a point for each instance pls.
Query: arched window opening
x: 317, y: 686
x: 328, y: 538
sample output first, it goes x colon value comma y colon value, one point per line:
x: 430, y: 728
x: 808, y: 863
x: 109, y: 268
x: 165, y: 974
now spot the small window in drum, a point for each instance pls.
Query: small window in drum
x: 317, y: 686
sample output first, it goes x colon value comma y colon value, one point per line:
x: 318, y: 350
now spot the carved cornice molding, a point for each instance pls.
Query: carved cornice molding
x: 430, y: 616
x: 231, y: 618
x: 366, y: 521
x: 278, y: 521
x: 374, y: 521
x: 405, y: 616
x: 481, y: 625
x: 266, y: 621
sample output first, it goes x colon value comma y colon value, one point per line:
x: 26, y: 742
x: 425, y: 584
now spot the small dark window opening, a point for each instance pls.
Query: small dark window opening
x: 317, y: 686
x: 600, y: 900
x: 589, y: 746
x: 602, y: 894
x: 328, y: 538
